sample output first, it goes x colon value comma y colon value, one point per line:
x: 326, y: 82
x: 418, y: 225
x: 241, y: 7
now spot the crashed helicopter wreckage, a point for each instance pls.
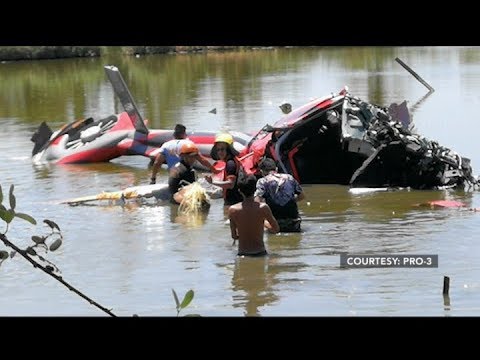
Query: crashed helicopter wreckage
x: 89, y: 140
x: 341, y: 139
x: 337, y: 139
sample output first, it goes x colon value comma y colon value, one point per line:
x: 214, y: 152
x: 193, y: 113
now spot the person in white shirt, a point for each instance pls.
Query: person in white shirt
x: 169, y: 152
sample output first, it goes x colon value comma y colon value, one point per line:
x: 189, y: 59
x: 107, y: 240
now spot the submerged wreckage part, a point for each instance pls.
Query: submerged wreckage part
x: 402, y: 158
x: 158, y: 191
x: 121, y: 90
x: 415, y: 75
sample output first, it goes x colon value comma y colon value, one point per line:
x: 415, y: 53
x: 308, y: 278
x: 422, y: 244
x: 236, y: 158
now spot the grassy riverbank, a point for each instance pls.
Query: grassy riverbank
x: 8, y: 53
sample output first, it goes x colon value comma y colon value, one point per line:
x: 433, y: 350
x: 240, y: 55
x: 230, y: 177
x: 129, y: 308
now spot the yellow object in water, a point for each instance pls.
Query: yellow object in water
x: 116, y: 195
x: 194, y: 200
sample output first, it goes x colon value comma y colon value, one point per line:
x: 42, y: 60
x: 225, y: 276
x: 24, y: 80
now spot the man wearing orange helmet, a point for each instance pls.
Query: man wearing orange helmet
x: 182, y: 172
x: 169, y: 153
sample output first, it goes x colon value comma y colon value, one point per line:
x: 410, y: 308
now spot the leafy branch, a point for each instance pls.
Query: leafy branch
x: 187, y: 299
x: 30, y: 253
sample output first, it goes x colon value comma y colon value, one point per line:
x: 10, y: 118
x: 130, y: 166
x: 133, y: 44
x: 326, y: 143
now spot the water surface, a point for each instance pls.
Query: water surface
x: 129, y: 258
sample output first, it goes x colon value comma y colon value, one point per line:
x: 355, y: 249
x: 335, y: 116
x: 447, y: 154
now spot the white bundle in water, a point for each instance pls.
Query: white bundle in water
x: 194, y: 200
x: 215, y: 192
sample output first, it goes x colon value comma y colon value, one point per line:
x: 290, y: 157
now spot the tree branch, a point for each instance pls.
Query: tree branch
x: 56, y: 277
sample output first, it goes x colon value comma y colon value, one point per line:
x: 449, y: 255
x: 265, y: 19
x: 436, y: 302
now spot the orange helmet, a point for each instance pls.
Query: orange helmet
x: 189, y: 148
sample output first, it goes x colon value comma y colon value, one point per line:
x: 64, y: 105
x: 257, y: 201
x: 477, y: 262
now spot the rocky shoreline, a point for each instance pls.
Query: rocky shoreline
x: 9, y: 53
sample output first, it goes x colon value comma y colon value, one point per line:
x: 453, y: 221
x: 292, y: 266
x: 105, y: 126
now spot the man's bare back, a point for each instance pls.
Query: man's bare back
x: 247, y: 225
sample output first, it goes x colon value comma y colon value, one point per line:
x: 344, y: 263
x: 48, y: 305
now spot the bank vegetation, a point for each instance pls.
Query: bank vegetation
x: 9, y: 53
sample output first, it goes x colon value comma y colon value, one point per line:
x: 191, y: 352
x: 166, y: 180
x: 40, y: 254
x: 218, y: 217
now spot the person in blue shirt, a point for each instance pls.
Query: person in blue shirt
x: 169, y: 152
x: 281, y: 192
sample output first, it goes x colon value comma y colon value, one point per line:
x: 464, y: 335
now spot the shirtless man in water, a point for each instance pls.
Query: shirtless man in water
x: 247, y: 220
